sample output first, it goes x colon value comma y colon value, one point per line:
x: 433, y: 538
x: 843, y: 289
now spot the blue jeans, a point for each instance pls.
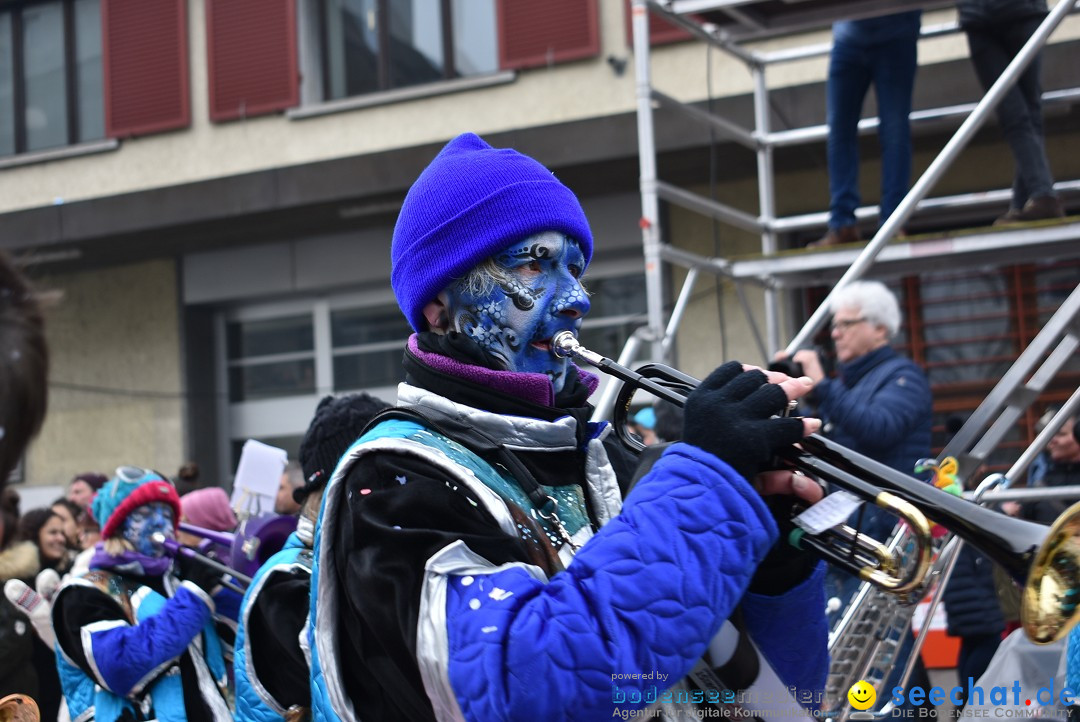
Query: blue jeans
x: 853, y: 65
x: 1020, y: 112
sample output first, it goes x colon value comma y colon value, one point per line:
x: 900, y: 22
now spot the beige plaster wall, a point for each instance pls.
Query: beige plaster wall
x: 115, y: 392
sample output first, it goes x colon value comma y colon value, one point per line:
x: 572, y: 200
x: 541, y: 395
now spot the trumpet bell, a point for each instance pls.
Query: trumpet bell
x: 1050, y: 603
x: 19, y: 708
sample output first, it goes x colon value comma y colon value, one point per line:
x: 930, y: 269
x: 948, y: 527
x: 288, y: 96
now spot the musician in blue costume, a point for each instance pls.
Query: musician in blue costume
x: 474, y: 558
x: 133, y: 641
x: 272, y: 674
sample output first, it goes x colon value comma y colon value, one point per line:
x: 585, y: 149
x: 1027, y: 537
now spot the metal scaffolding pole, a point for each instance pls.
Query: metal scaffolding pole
x: 767, y: 194
x: 650, y: 203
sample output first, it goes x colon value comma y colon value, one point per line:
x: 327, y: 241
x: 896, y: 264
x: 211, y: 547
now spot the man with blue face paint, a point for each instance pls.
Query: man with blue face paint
x: 474, y: 558
x: 143, y: 523
x: 133, y: 641
x: 532, y: 292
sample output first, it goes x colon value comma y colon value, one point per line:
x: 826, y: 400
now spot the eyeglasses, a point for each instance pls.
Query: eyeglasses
x: 846, y: 324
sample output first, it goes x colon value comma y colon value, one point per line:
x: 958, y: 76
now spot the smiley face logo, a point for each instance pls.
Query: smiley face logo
x: 861, y: 695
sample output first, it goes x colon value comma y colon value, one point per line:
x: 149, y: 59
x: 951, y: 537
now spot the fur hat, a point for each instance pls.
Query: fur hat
x: 128, y: 490
x: 337, y: 423
x: 471, y: 202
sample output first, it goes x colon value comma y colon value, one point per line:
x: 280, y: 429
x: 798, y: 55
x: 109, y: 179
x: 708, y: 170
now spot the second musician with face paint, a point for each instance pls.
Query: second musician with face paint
x: 474, y: 558
x: 136, y: 642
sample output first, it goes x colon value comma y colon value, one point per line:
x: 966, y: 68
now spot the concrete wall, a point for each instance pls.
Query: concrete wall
x: 563, y: 93
x: 116, y: 390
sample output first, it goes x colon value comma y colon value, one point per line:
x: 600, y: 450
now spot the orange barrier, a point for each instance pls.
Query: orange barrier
x: 940, y: 650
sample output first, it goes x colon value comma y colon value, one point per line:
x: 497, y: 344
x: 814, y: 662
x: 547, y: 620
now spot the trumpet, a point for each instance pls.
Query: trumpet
x: 1044, y: 561
x: 175, y: 549
x: 245, y: 550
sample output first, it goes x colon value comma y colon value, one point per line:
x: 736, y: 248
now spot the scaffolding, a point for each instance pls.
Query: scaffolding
x: 729, y: 25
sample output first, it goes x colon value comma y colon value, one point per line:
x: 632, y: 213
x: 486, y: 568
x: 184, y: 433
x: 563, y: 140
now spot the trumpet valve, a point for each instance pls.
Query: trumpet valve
x: 251, y: 547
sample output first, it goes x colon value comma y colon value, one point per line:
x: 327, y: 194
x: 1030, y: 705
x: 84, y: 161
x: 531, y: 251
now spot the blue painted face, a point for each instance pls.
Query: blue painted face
x: 540, y: 297
x: 145, y: 521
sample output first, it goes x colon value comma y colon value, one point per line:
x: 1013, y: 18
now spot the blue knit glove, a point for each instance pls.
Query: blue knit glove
x: 731, y: 415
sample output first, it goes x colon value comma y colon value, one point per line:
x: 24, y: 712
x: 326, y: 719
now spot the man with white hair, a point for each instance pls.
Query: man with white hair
x: 879, y: 403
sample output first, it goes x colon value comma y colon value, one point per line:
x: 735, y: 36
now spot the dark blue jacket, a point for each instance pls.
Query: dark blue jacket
x: 971, y: 601
x: 879, y: 406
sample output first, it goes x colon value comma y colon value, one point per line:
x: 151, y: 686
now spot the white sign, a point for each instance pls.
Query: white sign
x: 257, y: 478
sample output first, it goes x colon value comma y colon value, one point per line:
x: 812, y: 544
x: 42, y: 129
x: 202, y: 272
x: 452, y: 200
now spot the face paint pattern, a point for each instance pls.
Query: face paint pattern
x: 540, y: 296
x: 145, y: 521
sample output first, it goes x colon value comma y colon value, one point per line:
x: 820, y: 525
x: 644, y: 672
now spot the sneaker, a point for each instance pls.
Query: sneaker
x: 837, y: 237
x: 1037, y: 209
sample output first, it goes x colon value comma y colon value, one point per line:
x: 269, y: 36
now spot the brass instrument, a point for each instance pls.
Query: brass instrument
x: 257, y: 539
x: 19, y: 708
x: 175, y: 549
x: 1044, y: 561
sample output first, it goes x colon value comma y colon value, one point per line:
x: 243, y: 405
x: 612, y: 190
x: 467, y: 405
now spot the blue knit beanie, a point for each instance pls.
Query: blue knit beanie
x: 128, y: 490
x: 471, y: 202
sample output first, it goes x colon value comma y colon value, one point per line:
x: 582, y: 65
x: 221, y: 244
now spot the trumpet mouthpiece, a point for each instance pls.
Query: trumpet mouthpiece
x: 563, y: 344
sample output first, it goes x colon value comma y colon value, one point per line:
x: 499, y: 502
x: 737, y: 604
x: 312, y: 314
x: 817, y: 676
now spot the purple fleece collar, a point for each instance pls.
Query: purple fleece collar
x: 535, y: 388
x: 130, y: 562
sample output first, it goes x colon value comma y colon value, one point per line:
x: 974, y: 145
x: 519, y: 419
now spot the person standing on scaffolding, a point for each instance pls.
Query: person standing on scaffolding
x: 996, y: 30
x: 882, y: 51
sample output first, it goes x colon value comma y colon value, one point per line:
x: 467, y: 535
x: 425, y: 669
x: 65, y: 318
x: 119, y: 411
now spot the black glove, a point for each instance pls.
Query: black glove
x: 202, y: 575
x: 784, y: 567
x: 729, y: 415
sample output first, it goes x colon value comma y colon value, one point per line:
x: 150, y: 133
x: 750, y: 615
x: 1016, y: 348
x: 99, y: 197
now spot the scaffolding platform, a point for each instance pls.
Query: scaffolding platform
x: 1017, y: 243
x: 741, y: 20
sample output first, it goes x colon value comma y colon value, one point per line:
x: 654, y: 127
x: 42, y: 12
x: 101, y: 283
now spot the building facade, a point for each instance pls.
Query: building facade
x: 205, y: 192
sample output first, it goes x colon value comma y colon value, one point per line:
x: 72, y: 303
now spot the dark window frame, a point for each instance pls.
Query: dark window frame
x: 71, y: 79
x: 383, y: 72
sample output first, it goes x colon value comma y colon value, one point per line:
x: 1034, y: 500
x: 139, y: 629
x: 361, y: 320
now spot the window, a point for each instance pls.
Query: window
x: 51, y: 88
x: 271, y: 358
x: 367, y: 46
x: 367, y: 347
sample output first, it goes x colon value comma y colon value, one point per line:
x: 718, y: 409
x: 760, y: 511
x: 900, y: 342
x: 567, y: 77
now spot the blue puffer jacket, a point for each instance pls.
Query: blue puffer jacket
x: 971, y: 601
x: 135, y: 661
x: 645, y: 594
x: 253, y: 702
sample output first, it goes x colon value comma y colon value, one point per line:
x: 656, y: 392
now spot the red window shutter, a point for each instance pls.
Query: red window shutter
x: 146, y: 66
x: 251, y: 52
x: 661, y: 32
x: 534, y: 34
